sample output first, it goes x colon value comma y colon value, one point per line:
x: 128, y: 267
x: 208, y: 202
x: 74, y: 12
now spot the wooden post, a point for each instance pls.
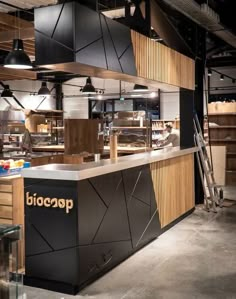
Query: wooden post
x: 113, y: 145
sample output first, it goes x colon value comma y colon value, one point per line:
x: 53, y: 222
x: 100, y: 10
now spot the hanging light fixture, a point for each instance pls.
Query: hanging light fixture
x: 44, y: 91
x: 222, y: 77
x: 17, y: 58
x: 139, y: 88
x: 209, y: 72
x: 7, y: 93
x: 88, y: 87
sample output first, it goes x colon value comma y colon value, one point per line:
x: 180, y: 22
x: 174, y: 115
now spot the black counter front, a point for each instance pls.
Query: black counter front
x: 82, y: 220
x: 77, y: 230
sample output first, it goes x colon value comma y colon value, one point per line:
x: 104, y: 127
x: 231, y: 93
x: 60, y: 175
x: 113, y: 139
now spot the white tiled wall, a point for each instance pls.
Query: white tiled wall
x: 169, y: 103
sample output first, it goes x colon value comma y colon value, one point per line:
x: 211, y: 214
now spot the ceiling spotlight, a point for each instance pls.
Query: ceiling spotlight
x: 17, y: 58
x: 139, y: 88
x: 209, y: 72
x: 88, y: 87
x: 100, y: 97
x: 44, y: 91
x: 153, y: 94
x: 222, y: 77
x: 7, y: 93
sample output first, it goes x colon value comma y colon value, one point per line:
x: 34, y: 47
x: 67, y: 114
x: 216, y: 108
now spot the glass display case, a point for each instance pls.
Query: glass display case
x: 133, y: 128
x: 11, y: 281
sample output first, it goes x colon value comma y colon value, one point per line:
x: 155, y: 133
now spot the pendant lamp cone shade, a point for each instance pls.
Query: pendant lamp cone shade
x: 7, y: 93
x: 88, y: 87
x: 138, y: 87
x: 44, y: 91
x: 17, y: 58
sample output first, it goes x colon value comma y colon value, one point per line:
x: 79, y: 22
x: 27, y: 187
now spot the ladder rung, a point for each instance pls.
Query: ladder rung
x: 210, y: 171
x: 213, y: 185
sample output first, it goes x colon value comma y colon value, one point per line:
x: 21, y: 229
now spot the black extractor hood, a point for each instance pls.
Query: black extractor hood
x: 71, y: 33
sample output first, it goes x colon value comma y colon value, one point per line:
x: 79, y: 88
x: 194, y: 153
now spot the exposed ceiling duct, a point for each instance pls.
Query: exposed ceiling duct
x: 14, y: 5
x: 205, y: 17
x: 118, y: 12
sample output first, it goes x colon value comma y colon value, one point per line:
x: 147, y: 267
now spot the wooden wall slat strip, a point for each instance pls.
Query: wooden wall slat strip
x: 159, y: 63
x: 175, y: 197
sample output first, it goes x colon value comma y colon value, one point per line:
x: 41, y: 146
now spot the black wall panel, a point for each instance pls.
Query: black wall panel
x: 127, y: 63
x: 87, y: 27
x: 113, y: 216
x: 46, y: 18
x: 54, y: 225
x: 91, y: 211
x: 64, y: 26
x: 111, y: 54
x: 97, y: 258
x: 120, y: 35
x: 93, y: 55
x: 60, y: 266
x: 71, y: 32
x: 54, y: 50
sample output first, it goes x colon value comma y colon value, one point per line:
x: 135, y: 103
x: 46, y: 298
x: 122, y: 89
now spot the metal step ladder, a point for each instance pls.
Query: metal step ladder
x: 212, y: 192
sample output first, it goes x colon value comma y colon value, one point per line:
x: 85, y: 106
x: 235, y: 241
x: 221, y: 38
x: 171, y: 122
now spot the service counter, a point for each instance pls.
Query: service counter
x: 82, y: 220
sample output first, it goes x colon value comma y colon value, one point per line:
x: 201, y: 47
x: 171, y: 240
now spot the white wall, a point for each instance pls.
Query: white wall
x: 169, y: 104
x: 22, y: 89
x: 77, y: 107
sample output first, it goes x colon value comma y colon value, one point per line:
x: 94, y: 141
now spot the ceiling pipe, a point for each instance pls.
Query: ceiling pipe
x: 205, y: 17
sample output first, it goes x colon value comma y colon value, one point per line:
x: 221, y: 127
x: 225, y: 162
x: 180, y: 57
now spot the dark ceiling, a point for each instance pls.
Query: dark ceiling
x: 226, y: 9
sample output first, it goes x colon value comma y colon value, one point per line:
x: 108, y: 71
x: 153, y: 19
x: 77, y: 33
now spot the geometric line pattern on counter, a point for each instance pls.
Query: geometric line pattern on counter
x: 113, y: 216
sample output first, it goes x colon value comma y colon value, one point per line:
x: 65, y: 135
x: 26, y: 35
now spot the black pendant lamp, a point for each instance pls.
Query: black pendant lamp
x: 88, y: 87
x: 44, y: 91
x: 138, y: 87
x: 7, y: 93
x: 17, y: 58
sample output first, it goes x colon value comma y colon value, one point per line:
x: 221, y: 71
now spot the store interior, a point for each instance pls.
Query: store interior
x: 113, y: 124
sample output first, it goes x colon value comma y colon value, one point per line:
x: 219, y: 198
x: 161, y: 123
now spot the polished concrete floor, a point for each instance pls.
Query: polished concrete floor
x: 195, y: 259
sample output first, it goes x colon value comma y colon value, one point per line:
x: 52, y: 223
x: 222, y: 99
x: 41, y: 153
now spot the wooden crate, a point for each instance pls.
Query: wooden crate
x: 12, y: 206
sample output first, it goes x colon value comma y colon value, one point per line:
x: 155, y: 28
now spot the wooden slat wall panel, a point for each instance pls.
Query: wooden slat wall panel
x: 6, y: 212
x: 5, y: 187
x: 159, y: 63
x: 173, y: 182
x: 6, y: 198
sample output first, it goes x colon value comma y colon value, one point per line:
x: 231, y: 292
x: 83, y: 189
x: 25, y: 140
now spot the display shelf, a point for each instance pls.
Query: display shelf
x: 231, y: 153
x: 222, y: 127
x: 223, y: 140
x: 160, y: 129
x: 131, y: 133
x: 224, y: 133
x: 129, y: 128
x: 223, y: 113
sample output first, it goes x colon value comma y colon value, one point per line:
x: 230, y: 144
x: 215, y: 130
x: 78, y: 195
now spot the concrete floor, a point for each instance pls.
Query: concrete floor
x: 195, y: 259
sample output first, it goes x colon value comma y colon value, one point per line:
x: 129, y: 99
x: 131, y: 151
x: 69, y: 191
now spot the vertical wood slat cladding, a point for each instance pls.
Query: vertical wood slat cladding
x: 157, y: 62
x: 173, y: 183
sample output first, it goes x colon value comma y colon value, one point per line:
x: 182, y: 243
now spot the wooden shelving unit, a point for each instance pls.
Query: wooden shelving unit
x: 224, y: 133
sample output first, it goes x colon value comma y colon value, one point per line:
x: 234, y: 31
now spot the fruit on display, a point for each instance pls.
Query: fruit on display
x: 11, y: 164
